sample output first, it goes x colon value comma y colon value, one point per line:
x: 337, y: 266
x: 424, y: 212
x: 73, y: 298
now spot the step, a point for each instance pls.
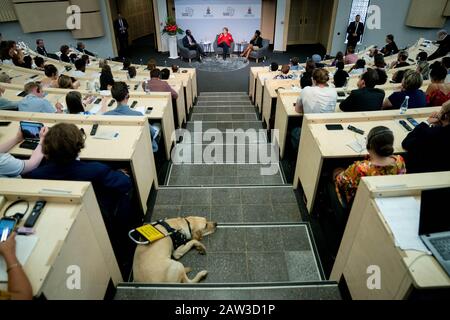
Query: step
x: 225, y: 109
x: 238, y: 153
x: 204, y: 175
x: 223, y: 103
x: 257, y: 254
x: 276, y: 204
x: 224, y: 98
x: 222, y: 94
x: 293, y: 292
x: 202, y: 126
x: 224, y: 117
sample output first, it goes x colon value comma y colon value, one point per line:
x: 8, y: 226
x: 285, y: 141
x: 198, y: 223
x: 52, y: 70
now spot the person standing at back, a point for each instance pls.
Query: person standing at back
x: 121, y: 28
x: 354, y: 32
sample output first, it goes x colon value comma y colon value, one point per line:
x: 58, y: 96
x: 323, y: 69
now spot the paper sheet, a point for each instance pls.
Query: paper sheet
x: 95, y: 108
x: 141, y: 109
x: 24, y: 247
x: 403, y: 217
x: 106, y: 135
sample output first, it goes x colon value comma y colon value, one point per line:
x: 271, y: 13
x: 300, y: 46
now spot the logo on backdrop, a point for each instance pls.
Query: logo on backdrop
x: 229, y: 13
x: 208, y: 13
x: 188, y: 12
x: 249, y: 13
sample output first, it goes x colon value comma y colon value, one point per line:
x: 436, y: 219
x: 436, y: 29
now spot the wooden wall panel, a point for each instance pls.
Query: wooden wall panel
x: 7, y: 11
x: 91, y: 26
x: 447, y: 10
x: 140, y: 17
x: 87, y: 5
x: 32, y: 16
x: 423, y: 14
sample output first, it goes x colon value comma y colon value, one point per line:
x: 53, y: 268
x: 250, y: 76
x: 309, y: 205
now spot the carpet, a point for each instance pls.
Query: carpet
x: 213, y: 64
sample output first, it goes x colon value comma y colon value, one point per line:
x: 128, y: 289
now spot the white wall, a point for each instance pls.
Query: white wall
x: 162, y: 13
x: 393, y: 17
x: 54, y: 39
x: 279, y: 25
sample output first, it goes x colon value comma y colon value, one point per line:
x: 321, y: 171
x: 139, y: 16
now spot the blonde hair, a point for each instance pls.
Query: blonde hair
x: 412, y: 80
x: 321, y: 76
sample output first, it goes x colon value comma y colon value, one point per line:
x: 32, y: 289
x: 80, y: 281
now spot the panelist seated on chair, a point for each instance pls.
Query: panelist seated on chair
x: 190, y: 43
x: 254, y: 45
x: 225, y: 42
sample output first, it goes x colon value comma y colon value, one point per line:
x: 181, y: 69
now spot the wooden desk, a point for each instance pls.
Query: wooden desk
x: 285, y: 111
x: 254, y: 71
x: 317, y: 143
x: 369, y: 241
x: 161, y: 102
x: 133, y: 145
x: 260, y: 83
x: 70, y: 232
x: 271, y: 89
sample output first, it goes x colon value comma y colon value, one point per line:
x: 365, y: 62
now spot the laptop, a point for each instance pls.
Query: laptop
x: 30, y: 132
x: 434, y: 228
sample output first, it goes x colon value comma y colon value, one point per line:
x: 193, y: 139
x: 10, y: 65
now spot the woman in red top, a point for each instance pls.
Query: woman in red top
x: 224, y: 41
x: 438, y: 92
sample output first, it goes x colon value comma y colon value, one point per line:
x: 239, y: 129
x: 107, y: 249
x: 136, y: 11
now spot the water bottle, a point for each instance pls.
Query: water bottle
x: 404, y: 106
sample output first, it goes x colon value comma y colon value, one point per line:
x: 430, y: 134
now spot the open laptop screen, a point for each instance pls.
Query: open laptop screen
x: 434, y: 211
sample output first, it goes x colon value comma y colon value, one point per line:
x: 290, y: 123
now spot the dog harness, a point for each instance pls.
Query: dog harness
x: 178, y: 238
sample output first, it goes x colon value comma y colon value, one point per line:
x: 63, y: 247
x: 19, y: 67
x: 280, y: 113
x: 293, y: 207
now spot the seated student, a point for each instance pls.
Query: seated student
x: 155, y: 84
x: 51, y: 80
x: 319, y: 98
x: 113, y: 188
x: 132, y: 72
x: 165, y: 74
x: 11, y: 167
x: 6, y: 104
x: 444, y: 45
x: 401, y: 62
x: 106, y: 78
x: 102, y: 63
x: 318, y: 61
x: 339, y: 58
x: 379, y: 62
x: 428, y: 145
x: 40, y: 48
x: 382, y: 76
x: 35, y: 102
x: 285, y: 69
x: 73, y: 57
x: 66, y: 82
x: 350, y: 57
x: 4, y: 78
x: 151, y: 64
x: 306, y: 80
x: 120, y: 93
x: 412, y: 81
x: 423, y: 67
x: 175, y: 68
x: 81, y: 47
x: 381, y: 162
x: 398, y: 76
x: 39, y: 63
x: 86, y: 59
x: 366, y: 98
x: 295, y: 64
x: 359, y: 67
x: 76, y: 104
x: 438, y: 91
x: 80, y: 66
x: 64, y: 57
x: 446, y: 63
x: 391, y: 47
x: 126, y: 64
x: 274, y: 67
x: 341, y: 76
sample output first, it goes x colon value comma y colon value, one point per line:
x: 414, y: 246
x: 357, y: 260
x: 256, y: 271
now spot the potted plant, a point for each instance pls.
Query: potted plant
x: 172, y: 29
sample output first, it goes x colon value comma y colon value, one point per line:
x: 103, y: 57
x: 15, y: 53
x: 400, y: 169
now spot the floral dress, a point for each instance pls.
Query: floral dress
x: 348, y: 181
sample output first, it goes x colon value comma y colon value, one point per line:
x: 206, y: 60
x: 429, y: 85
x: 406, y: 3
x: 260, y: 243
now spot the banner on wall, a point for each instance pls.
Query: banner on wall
x: 206, y: 18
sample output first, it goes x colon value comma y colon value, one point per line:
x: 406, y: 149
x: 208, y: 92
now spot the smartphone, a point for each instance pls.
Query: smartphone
x: 68, y: 68
x: 35, y: 76
x: 405, y: 125
x: 134, y: 104
x: 413, y: 122
x: 5, y: 123
x: 341, y: 94
x: 111, y: 103
x: 184, y: 71
x: 23, y: 94
x: 334, y: 127
x: 98, y: 101
x: 7, y: 226
x: 149, y: 110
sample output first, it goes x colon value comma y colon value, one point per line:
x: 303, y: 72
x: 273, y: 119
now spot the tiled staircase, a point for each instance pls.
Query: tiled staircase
x: 261, y: 249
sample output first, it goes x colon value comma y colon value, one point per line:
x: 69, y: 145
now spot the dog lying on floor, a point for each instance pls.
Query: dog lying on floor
x: 154, y: 263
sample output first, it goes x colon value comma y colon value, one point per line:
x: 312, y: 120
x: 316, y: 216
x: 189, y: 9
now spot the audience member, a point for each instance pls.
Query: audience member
x: 155, y: 84
x: 77, y: 105
x: 444, y: 45
x: 366, y: 97
x: 411, y: 84
x: 438, y: 91
x: 35, y: 102
x: 80, y: 66
x: 306, y: 80
x: 401, y: 62
x: 165, y: 74
x: 39, y: 62
x: 391, y: 47
x: 6, y: 104
x: 350, y: 57
x: 40, y: 49
x: 285, y: 69
x: 64, y: 57
x: 106, y: 78
x: 359, y: 67
x: 341, y: 76
x: 51, y: 80
x: 423, y: 67
x: 66, y: 82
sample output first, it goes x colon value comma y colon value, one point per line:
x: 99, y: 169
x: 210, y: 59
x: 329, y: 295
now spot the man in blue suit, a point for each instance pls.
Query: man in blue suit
x: 190, y: 43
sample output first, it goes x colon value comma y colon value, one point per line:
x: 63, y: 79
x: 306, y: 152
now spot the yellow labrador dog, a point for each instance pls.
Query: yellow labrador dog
x: 154, y: 264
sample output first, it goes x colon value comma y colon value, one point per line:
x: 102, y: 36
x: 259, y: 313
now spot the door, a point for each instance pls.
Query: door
x: 311, y: 21
x: 295, y: 22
